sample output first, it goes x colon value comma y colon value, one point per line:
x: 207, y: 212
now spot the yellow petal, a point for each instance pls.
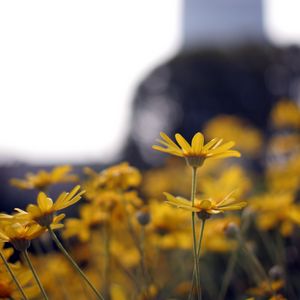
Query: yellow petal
x: 168, y: 140
x: 205, y: 204
x: 228, y: 153
x: 222, y: 148
x: 211, y: 144
x: 34, y: 210
x: 197, y: 142
x: 44, y: 203
x: 183, y: 143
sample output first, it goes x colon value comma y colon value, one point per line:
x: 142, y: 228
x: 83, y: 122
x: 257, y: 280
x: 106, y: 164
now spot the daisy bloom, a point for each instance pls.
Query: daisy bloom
x: 196, y: 152
x: 206, y: 207
x: 20, y: 234
x: 43, y: 179
x: 44, y: 212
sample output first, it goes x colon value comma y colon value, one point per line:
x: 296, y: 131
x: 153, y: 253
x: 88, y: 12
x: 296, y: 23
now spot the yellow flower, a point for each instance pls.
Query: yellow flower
x: 225, y: 182
x: 215, y: 239
x: 196, y: 152
x: 43, y: 212
x: 8, y: 289
x: 20, y: 234
x: 264, y: 288
x: 248, y: 139
x: 168, y: 229
x: 286, y: 114
x: 91, y: 216
x: 206, y: 207
x: 276, y: 210
x: 121, y: 176
x: 43, y: 179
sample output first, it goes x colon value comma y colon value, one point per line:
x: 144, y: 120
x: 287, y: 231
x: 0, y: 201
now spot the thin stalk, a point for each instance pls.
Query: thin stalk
x: 143, y: 262
x: 198, y: 255
x: 228, y: 274
x: 13, y: 276
x: 74, y: 264
x: 256, y: 263
x: 196, y: 261
x: 201, y: 237
x: 106, y: 269
x: 36, y: 277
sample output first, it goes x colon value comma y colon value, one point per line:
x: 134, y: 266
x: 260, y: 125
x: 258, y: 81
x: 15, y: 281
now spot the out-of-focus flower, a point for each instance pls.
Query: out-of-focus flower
x: 18, y: 234
x: 265, y: 288
x: 283, y: 147
x: 168, y: 229
x: 207, y: 206
x: 90, y: 217
x: 284, y: 177
x: 130, y: 255
x: 8, y: 288
x: 122, y: 176
x: 286, y: 115
x: 43, y: 179
x: 226, y: 182
x: 196, y: 152
x: 173, y: 177
x: 215, y: 238
x: 276, y: 210
x: 44, y: 212
x: 248, y: 139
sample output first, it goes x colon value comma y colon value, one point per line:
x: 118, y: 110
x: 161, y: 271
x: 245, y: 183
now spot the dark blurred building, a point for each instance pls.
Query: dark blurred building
x: 226, y: 65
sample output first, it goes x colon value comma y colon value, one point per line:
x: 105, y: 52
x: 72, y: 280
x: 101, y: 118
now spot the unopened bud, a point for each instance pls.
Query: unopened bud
x: 143, y: 217
x: 232, y: 230
x: 276, y: 272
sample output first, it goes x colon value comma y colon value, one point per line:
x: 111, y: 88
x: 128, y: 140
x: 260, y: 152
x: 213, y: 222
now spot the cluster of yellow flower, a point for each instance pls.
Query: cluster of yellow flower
x: 129, y: 240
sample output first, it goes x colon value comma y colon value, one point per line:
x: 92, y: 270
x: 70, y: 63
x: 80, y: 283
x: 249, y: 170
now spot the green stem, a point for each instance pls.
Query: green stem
x: 198, y: 254
x: 13, y: 276
x: 74, y: 264
x: 256, y: 263
x: 201, y: 237
x: 196, y: 261
x: 106, y: 268
x: 36, y: 277
x: 228, y: 274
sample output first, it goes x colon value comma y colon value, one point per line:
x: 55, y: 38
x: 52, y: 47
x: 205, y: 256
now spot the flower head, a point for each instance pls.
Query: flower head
x: 207, y: 207
x: 44, y: 212
x: 8, y: 288
x: 196, y: 152
x: 43, y: 179
x: 19, y: 234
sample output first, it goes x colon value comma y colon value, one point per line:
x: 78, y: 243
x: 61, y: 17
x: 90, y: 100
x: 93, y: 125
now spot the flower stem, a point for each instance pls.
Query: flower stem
x: 13, y: 276
x: 36, y: 277
x: 256, y: 263
x: 198, y: 254
x: 74, y: 264
x: 106, y: 269
x: 196, y: 261
x: 228, y: 274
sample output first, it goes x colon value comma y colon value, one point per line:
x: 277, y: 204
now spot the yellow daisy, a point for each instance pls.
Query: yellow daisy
x: 207, y: 207
x: 196, y: 152
x: 43, y: 179
x: 43, y: 212
x: 19, y: 234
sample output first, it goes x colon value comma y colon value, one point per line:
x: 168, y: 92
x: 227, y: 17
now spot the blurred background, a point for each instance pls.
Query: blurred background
x: 93, y: 83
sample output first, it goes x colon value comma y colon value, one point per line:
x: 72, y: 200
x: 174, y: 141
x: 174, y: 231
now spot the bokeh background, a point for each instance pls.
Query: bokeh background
x: 93, y: 83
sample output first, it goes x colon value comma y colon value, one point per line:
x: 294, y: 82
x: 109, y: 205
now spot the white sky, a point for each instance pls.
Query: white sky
x: 68, y: 70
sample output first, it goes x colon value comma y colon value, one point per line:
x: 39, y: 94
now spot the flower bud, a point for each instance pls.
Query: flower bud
x: 231, y: 230
x: 276, y: 272
x: 143, y: 217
